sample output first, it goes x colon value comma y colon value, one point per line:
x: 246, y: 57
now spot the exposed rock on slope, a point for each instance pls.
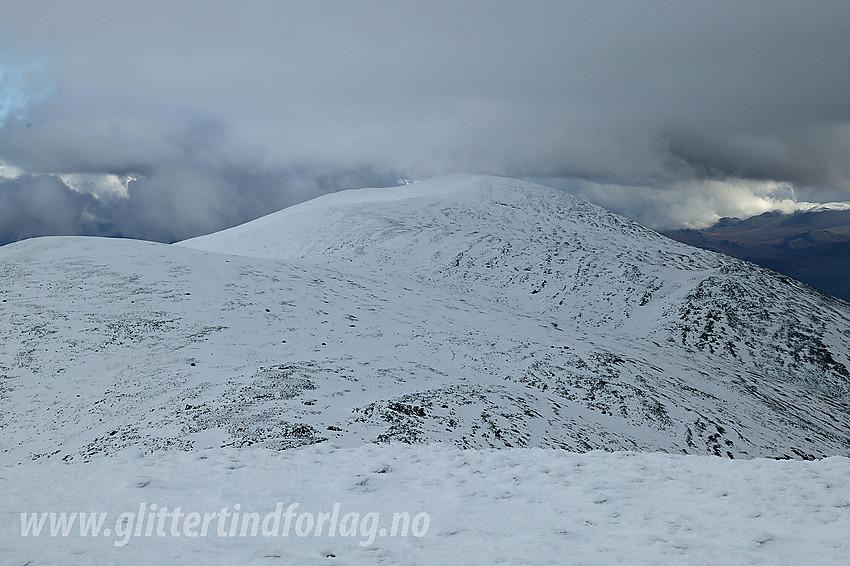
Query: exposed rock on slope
x: 474, y: 310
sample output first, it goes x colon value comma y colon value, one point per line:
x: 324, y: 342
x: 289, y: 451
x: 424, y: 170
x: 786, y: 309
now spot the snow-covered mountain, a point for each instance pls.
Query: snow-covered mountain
x: 476, y: 311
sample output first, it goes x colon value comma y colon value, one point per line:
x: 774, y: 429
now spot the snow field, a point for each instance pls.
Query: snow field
x: 521, y: 506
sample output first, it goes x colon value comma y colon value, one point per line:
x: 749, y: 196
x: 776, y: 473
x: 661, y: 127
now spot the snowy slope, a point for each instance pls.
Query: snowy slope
x: 485, y: 507
x: 557, y: 257
x: 478, y: 311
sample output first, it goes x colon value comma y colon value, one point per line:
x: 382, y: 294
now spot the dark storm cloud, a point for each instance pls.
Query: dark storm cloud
x: 42, y: 204
x: 170, y: 204
x: 228, y: 110
x: 178, y: 202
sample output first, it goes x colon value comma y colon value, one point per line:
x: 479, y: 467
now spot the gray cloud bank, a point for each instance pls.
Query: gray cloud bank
x: 226, y: 111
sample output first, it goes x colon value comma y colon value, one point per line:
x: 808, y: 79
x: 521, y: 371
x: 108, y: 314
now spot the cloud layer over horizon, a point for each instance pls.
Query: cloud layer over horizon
x: 223, y: 112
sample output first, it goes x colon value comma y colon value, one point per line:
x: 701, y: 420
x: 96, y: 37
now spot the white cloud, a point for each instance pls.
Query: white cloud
x: 688, y: 204
x: 99, y: 184
x: 9, y: 171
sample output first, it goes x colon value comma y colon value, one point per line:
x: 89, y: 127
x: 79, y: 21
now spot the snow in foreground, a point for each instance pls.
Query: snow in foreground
x: 529, y: 506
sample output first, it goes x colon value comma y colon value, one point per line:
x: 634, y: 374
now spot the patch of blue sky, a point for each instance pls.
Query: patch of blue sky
x: 20, y: 86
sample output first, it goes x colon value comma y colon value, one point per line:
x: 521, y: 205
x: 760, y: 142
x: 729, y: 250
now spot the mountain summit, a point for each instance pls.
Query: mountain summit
x: 477, y: 311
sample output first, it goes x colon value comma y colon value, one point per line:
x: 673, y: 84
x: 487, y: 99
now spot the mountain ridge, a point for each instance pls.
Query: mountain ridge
x: 500, y: 315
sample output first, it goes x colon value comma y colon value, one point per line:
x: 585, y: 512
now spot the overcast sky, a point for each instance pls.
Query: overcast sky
x: 162, y: 120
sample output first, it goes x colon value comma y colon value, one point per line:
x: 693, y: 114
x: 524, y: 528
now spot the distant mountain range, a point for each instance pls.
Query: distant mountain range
x: 811, y: 245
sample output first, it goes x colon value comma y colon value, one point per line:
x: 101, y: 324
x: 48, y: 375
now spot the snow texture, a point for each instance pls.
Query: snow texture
x: 387, y: 329
x: 478, y: 311
x: 512, y: 506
